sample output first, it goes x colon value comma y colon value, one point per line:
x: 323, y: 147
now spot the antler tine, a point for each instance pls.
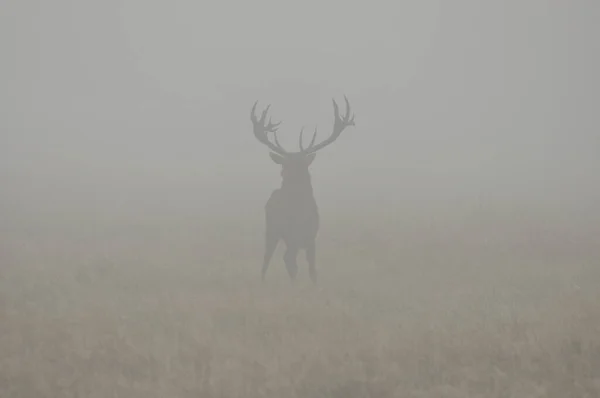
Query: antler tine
x: 253, y: 112
x: 312, y: 142
x: 264, y: 114
x: 348, y: 112
x: 272, y: 126
x: 336, y: 110
x: 300, y: 140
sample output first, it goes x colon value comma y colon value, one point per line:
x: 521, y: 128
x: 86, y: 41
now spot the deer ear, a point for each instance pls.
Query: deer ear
x: 276, y: 158
x: 310, y: 158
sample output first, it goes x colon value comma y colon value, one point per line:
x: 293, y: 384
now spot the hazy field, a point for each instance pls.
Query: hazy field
x: 459, y: 249
x: 459, y: 307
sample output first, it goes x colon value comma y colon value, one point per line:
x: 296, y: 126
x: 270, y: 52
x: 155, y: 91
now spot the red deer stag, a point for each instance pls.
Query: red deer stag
x: 291, y: 213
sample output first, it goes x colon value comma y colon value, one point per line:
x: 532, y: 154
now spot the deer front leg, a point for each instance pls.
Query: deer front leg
x: 290, y: 258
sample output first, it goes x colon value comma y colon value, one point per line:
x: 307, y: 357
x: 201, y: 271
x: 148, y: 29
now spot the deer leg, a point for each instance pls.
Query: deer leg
x: 290, y: 258
x: 270, y: 245
x: 312, y: 261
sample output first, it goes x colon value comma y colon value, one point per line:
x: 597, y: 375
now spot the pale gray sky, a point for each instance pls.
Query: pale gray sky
x: 146, y: 102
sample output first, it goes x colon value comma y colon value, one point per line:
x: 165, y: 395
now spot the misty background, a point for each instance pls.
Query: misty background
x: 138, y: 108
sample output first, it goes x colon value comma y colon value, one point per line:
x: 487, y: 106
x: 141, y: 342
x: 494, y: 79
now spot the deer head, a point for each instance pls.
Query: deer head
x: 294, y: 165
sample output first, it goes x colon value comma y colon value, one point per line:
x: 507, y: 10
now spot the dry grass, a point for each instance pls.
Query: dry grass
x: 176, y: 311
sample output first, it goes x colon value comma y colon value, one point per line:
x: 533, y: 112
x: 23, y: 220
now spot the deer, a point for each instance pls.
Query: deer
x: 291, y: 212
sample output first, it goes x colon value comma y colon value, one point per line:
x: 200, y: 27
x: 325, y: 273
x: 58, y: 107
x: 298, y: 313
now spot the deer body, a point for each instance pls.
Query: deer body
x: 293, y: 217
x: 291, y: 213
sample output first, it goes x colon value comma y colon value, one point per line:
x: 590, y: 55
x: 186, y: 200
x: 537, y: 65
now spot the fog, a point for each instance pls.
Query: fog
x: 145, y: 104
x: 474, y: 121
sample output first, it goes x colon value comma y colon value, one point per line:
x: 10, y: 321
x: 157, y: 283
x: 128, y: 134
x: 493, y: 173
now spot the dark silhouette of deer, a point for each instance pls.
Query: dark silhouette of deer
x: 291, y: 213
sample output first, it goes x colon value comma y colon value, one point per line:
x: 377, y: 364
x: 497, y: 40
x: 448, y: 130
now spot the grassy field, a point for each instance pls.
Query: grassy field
x: 404, y: 309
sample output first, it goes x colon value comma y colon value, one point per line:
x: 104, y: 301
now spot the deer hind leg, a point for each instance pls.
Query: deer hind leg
x: 290, y: 258
x: 311, y: 258
x: 271, y: 241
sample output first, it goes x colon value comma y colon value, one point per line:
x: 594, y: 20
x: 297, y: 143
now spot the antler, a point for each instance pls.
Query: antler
x: 261, y: 129
x: 312, y: 141
x: 339, y: 125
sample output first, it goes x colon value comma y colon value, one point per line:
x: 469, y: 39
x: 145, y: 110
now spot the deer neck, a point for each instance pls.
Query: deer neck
x: 297, y: 188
